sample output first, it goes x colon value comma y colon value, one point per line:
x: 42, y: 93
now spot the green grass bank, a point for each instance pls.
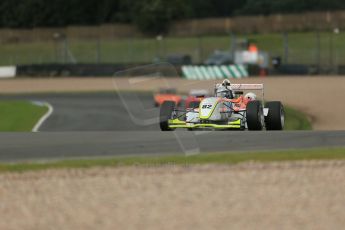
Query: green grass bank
x: 211, y: 158
x: 19, y: 115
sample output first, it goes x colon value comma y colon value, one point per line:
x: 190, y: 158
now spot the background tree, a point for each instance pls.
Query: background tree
x: 150, y: 16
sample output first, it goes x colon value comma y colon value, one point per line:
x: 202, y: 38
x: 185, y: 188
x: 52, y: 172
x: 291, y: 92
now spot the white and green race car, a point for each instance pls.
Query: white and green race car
x: 227, y: 110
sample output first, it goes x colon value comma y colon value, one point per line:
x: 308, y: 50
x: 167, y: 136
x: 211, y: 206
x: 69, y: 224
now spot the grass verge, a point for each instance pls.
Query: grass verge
x: 296, y: 120
x: 216, y: 158
x: 19, y: 115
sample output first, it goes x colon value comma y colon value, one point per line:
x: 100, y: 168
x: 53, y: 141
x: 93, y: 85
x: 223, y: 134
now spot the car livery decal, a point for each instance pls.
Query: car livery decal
x: 206, y: 110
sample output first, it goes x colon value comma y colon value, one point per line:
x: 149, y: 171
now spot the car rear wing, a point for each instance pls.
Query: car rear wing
x: 249, y: 87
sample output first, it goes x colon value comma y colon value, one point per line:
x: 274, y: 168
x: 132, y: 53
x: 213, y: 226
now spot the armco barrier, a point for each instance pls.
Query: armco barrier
x: 56, y: 70
x: 192, y: 72
x: 65, y: 70
x: 95, y: 70
x: 214, y: 72
x: 91, y: 70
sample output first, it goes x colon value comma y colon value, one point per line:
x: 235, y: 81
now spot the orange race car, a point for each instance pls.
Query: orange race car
x: 166, y: 94
x: 240, y: 102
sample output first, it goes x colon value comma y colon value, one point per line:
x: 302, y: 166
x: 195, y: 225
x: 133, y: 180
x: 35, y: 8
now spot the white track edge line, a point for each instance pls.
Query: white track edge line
x: 44, y: 117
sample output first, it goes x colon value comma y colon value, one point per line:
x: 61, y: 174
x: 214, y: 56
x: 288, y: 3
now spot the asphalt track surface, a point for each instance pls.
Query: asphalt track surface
x: 97, y: 111
x: 108, y: 125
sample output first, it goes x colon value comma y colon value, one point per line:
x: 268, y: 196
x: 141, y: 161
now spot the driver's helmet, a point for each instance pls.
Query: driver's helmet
x: 250, y: 96
x: 226, y: 83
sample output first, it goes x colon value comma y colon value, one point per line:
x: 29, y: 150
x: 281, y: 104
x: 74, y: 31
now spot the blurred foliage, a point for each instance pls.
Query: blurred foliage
x: 155, y: 16
x: 266, y: 7
x: 150, y: 16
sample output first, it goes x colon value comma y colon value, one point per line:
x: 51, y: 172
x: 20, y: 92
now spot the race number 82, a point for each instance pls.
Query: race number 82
x: 207, y: 106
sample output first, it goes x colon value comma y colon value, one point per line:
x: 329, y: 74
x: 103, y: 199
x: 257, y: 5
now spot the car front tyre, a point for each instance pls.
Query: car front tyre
x: 166, y: 110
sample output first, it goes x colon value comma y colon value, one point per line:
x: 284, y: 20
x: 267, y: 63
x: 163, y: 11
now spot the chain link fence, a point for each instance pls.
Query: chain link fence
x: 323, y: 50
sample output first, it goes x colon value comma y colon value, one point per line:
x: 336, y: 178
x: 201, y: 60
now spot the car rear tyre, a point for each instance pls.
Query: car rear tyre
x: 166, y: 110
x: 254, y: 115
x: 275, y: 118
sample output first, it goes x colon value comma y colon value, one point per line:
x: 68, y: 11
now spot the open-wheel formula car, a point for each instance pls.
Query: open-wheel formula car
x: 227, y: 110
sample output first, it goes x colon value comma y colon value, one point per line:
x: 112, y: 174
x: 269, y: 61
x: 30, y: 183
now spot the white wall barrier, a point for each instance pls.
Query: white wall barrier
x: 8, y: 71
